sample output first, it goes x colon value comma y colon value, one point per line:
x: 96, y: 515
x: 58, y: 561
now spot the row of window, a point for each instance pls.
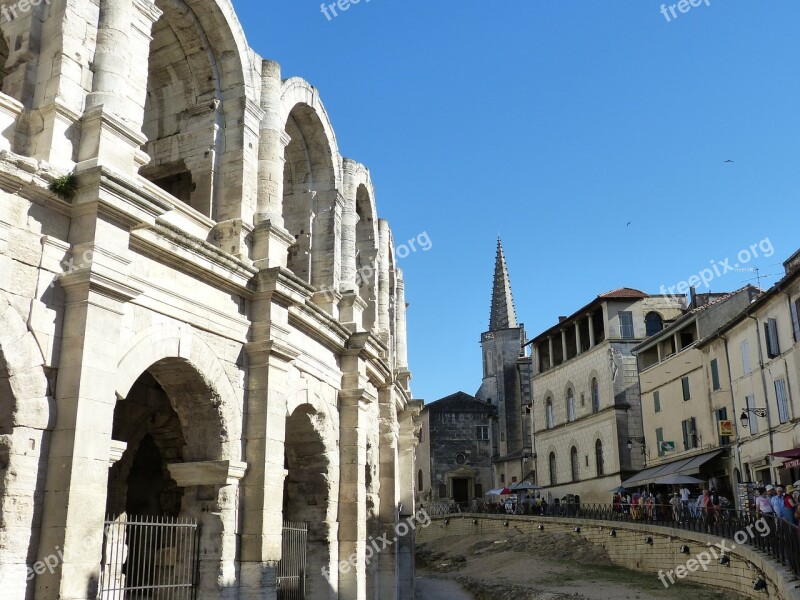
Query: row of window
x: 550, y: 416
x: 574, y: 463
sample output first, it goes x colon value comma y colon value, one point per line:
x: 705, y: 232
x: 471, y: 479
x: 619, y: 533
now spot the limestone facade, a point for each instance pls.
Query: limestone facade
x: 201, y: 314
x: 586, y: 402
x: 685, y: 391
x: 757, y: 373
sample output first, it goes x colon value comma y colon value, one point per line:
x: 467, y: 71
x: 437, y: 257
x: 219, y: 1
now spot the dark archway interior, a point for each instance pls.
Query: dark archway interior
x: 140, y: 483
x: 182, y: 109
x: 306, y: 492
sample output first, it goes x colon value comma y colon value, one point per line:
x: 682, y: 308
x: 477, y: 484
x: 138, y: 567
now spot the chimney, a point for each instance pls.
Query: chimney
x: 693, y: 296
x: 562, y: 319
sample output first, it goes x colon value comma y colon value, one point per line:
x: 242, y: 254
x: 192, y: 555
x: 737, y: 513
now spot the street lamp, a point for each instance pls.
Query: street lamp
x: 745, y: 419
x: 637, y: 440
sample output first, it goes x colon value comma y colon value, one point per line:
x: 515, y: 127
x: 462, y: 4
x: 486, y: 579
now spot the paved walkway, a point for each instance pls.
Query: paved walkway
x: 430, y: 588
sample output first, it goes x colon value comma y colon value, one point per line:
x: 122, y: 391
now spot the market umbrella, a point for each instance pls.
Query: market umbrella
x: 677, y: 479
x: 619, y: 490
x: 498, y: 492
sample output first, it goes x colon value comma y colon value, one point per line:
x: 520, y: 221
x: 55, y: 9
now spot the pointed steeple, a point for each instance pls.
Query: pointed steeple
x: 503, y: 315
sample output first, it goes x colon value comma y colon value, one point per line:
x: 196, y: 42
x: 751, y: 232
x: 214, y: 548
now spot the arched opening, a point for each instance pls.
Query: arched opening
x: 595, y: 395
x: 570, y: 405
x: 653, y: 323
x: 306, y: 493
x: 573, y: 460
x: 308, y: 194
x: 153, y: 540
x: 553, y: 477
x: 549, y: 416
x: 598, y: 456
x: 183, y: 118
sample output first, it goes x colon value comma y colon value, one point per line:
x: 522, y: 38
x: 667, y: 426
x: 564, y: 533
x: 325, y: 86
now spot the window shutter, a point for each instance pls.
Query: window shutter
x: 773, y: 330
x: 685, y: 429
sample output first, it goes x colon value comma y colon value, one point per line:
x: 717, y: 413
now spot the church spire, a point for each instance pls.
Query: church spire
x: 503, y: 315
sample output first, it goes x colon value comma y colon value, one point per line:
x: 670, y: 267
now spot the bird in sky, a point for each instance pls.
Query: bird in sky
x: 729, y: 161
x: 629, y: 224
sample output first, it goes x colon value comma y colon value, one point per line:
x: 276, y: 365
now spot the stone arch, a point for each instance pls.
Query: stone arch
x: 366, y: 236
x: 27, y: 415
x: 165, y: 351
x: 311, y: 491
x: 312, y: 178
x: 198, y: 74
x: 599, y: 457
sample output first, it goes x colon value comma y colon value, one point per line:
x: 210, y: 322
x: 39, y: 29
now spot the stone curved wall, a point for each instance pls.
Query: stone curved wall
x: 628, y: 549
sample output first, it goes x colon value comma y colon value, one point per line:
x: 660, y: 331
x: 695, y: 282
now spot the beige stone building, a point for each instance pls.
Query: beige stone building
x: 586, y: 394
x: 201, y: 318
x: 758, y: 353
x: 686, y: 397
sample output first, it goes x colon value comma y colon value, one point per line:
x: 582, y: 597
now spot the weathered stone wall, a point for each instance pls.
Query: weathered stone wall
x: 628, y: 549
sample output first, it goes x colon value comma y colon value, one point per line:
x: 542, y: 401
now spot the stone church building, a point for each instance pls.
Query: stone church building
x: 202, y: 323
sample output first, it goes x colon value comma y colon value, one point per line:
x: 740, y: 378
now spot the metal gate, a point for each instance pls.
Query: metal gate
x: 291, y: 577
x: 149, y: 558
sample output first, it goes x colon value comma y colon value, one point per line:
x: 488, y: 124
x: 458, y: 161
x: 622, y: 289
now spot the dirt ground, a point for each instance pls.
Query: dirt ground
x: 548, y: 566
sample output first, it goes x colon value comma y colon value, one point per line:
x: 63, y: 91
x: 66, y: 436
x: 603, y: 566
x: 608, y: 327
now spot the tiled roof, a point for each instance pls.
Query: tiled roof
x: 624, y: 293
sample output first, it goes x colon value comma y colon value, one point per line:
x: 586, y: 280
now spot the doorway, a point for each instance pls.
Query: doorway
x: 460, y: 490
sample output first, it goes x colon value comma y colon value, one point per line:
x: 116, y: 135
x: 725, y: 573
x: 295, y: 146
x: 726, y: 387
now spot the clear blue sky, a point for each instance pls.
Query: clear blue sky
x: 555, y: 124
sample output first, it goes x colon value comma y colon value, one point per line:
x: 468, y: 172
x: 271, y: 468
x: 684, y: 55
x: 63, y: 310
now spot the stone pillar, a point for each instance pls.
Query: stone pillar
x: 550, y: 348
x: 591, y: 329
x: 349, y: 224
x: 564, y: 355
x: 384, y: 244
x: 389, y: 497
x: 271, y: 241
x: 354, y: 407
x: 111, y: 129
x: 401, y: 344
x: 577, y: 337
x: 269, y: 356
x: 77, y: 474
x: 407, y: 443
x: 211, y: 494
x: 326, y: 247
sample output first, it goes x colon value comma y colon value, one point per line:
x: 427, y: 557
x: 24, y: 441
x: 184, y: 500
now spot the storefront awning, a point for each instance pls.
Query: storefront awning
x: 787, y: 453
x: 685, y: 466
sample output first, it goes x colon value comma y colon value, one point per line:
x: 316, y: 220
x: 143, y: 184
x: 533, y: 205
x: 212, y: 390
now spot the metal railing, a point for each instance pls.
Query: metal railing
x: 154, y: 558
x: 776, y: 537
x: 291, y: 575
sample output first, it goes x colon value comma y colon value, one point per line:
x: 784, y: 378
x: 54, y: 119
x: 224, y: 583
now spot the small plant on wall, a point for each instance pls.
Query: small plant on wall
x: 65, y: 186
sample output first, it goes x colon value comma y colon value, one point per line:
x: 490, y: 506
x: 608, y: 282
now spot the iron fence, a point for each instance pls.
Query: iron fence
x: 153, y: 558
x: 291, y: 575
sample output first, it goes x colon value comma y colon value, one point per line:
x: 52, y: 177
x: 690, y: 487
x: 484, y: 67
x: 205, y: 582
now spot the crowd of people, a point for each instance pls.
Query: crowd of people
x: 778, y: 502
x: 677, y: 506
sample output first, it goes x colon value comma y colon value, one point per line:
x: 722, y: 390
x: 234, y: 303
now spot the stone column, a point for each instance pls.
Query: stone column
x: 77, y: 473
x: 111, y: 129
x: 384, y: 244
x: 326, y: 248
x: 269, y: 356
x: 211, y: 492
x: 577, y: 337
x: 407, y: 443
x: 591, y: 329
x: 401, y: 344
x: 271, y: 241
x: 353, y: 413
x: 550, y: 348
x: 564, y: 355
x: 389, y: 497
x: 349, y: 224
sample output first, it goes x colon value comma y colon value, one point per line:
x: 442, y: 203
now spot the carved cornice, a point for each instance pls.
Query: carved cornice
x: 211, y: 472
